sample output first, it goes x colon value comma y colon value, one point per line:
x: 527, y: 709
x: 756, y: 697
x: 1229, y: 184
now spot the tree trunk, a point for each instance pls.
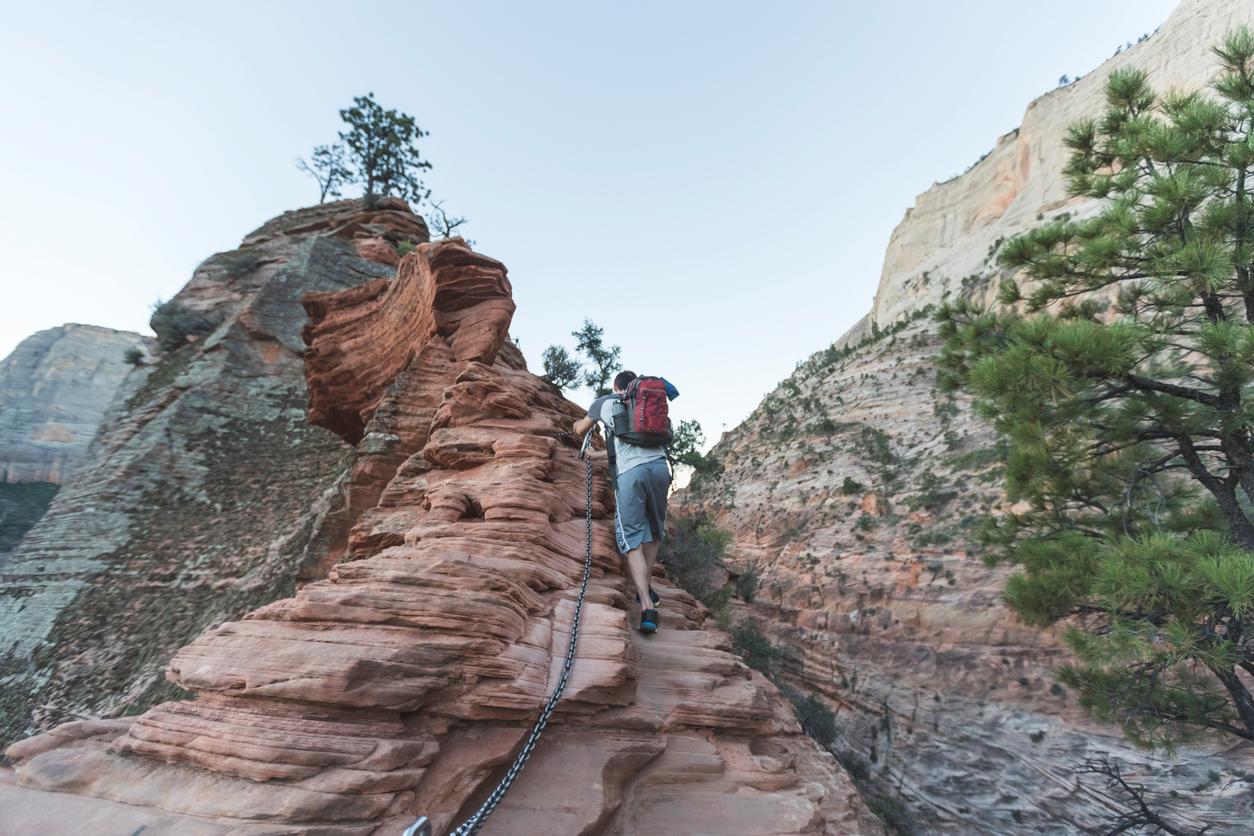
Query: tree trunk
x: 1224, y: 492
x: 1241, y: 698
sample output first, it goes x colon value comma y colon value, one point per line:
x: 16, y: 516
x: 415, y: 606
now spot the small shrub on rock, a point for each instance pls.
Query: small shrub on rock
x: 751, y: 645
x: 747, y: 584
x: 816, y: 719
x: 176, y: 324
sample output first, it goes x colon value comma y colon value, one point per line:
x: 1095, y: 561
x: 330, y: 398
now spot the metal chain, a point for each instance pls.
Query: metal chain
x: 472, y: 824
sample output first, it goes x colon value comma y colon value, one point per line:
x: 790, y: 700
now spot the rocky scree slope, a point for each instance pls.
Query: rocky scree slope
x: 407, y: 679
x: 854, y: 487
x: 54, y: 389
x: 206, y: 492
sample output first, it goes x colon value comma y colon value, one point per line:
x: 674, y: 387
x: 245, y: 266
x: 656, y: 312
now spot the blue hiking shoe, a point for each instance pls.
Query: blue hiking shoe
x: 649, y: 621
x: 653, y: 596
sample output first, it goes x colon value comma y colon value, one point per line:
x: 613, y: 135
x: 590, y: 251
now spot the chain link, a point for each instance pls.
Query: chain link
x: 472, y: 824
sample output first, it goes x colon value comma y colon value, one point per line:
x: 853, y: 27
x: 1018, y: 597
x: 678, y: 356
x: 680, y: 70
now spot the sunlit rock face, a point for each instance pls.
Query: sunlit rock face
x: 206, y: 492
x: 403, y: 681
x: 854, y: 489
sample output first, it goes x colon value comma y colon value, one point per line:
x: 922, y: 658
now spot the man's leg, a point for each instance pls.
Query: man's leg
x: 637, y: 568
x: 628, y: 511
x: 650, y: 557
x: 655, y: 506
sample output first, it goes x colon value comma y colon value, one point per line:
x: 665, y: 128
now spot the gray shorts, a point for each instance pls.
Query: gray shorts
x: 641, y: 513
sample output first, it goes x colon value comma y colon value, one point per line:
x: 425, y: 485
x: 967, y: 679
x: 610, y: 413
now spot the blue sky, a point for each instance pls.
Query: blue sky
x: 714, y: 183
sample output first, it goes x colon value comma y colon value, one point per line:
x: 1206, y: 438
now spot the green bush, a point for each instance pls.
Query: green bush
x: 693, y: 555
x: 176, y: 324
x: 747, y: 583
x: 858, y: 767
x: 816, y: 719
x: 893, y: 813
x: 752, y: 646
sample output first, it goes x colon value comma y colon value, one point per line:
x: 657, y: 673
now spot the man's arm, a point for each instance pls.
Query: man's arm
x: 590, y: 420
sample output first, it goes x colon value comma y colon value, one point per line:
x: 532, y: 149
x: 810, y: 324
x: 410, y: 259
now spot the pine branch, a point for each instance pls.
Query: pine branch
x: 1148, y: 385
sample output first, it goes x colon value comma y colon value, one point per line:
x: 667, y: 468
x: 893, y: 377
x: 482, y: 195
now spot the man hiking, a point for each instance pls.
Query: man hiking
x: 637, y: 431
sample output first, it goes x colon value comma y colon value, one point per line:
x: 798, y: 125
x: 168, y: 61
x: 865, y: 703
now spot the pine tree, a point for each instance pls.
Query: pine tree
x: 328, y: 166
x: 382, y: 145
x: 1121, y: 376
x: 590, y: 339
x: 560, y: 368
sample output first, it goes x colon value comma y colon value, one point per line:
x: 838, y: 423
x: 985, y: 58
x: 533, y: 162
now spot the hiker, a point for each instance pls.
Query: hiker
x: 637, y: 431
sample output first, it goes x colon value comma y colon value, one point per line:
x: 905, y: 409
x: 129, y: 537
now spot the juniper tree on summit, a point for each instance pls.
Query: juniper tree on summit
x: 382, y: 145
x: 1121, y: 375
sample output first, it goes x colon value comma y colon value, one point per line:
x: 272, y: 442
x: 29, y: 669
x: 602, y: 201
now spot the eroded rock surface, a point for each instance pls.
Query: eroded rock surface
x: 854, y: 489
x: 405, y: 680
x: 206, y: 494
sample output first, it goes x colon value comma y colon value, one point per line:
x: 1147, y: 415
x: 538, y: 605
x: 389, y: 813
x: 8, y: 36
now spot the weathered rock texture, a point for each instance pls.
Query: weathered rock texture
x: 54, y: 389
x: 206, y: 494
x: 853, y: 489
x: 405, y: 680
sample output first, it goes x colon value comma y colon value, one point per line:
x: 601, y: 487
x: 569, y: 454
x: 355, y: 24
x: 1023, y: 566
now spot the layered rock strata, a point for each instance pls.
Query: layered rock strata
x: 406, y: 680
x: 854, y: 489
x: 206, y: 493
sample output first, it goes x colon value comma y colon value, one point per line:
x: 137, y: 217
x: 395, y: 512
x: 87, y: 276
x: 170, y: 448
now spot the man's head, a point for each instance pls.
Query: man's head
x: 622, y: 380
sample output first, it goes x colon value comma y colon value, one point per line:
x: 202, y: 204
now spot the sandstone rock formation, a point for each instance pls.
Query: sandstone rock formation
x: 945, y: 242
x: 206, y: 493
x: 853, y: 489
x: 405, y: 680
x: 54, y: 389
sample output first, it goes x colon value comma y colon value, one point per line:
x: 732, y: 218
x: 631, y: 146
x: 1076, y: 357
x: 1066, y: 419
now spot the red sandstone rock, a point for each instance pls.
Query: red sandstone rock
x: 401, y: 683
x: 377, y: 249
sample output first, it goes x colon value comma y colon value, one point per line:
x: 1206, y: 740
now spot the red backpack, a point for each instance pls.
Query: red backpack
x: 645, y: 421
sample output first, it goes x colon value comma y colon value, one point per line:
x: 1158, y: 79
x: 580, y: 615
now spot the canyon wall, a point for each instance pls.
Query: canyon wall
x: 54, y: 390
x: 206, y: 493
x: 406, y: 680
x: 853, y: 491
x: 944, y: 246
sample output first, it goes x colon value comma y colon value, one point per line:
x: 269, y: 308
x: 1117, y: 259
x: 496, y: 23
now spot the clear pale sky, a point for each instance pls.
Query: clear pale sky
x: 714, y: 183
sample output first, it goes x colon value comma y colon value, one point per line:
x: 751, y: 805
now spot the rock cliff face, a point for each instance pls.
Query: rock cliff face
x: 404, y: 681
x: 853, y: 489
x: 945, y: 242
x: 54, y: 389
x: 206, y: 493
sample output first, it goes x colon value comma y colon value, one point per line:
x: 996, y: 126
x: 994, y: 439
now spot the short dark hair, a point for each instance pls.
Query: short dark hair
x: 623, y: 379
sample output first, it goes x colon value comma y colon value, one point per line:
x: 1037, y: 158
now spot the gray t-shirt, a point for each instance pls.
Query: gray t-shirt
x: 627, y: 455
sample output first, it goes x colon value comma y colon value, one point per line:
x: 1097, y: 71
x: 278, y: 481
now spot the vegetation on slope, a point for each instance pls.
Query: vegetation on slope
x: 1123, y: 381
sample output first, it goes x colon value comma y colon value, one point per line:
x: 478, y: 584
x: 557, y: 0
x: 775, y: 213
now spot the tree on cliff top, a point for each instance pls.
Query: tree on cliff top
x: 560, y: 369
x: 565, y: 371
x: 382, y: 145
x: 329, y: 168
x: 590, y: 339
x: 379, y: 150
x: 1124, y: 381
